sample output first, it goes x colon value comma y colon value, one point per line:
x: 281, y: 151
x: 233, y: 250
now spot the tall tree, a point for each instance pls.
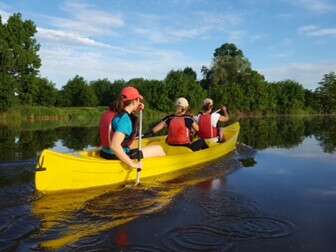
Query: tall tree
x: 154, y: 92
x: 7, y: 82
x: 179, y: 84
x: 228, y: 65
x: 327, y: 92
x: 19, y: 56
x: 78, y: 93
x: 189, y: 71
x: 46, y: 93
x: 102, y: 89
x: 290, y: 96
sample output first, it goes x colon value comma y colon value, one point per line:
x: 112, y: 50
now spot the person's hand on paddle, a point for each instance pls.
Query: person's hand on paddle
x: 224, y: 109
x: 137, y: 165
x: 141, y: 107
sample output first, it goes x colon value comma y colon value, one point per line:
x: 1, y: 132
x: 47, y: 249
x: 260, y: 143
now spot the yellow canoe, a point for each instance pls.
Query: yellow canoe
x: 71, y: 171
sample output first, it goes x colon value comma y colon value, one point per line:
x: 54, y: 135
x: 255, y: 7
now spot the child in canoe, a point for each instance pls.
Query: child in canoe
x: 118, y: 129
x: 180, y: 126
x: 208, y: 122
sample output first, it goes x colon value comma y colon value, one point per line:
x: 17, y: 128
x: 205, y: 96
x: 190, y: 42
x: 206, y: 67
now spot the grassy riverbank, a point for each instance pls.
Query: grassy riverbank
x: 52, y: 117
x: 38, y: 117
x: 45, y: 115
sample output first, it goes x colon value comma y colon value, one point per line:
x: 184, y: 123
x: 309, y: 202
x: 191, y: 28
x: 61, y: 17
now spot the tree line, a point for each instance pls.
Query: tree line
x: 229, y: 80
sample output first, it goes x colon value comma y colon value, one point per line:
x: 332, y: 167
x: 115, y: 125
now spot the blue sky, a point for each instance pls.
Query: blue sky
x: 122, y: 39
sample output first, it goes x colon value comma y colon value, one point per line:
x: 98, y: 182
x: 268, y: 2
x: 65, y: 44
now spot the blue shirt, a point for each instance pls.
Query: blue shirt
x: 121, y: 123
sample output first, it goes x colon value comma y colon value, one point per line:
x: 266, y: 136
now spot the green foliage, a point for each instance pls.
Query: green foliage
x: 77, y: 93
x: 180, y: 84
x: 25, y: 116
x: 117, y: 86
x: 327, y: 93
x: 191, y: 72
x: 20, y: 61
x: 312, y: 101
x: 232, y: 81
x: 7, y: 92
x: 103, y: 91
x: 229, y: 64
x: 161, y: 95
x: 290, y: 96
x: 154, y: 92
x: 46, y: 93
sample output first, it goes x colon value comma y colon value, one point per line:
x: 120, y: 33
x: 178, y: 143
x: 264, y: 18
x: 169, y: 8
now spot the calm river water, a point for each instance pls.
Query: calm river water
x: 277, y: 192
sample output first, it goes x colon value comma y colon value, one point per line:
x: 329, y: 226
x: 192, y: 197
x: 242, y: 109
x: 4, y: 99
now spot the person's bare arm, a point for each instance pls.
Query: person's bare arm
x: 225, y: 117
x: 195, y: 126
x: 118, y: 150
x: 160, y: 126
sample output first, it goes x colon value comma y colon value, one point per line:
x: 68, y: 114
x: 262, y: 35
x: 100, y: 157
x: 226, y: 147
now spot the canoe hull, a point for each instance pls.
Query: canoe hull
x: 86, y: 169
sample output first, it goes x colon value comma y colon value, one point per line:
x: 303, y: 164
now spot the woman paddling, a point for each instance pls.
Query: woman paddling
x: 118, y: 129
x: 208, y: 122
x: 180, y: 126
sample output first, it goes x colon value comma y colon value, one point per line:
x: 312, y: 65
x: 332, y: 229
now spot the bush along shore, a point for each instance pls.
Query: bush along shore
x: 48, y: 117
x: 38, y: 115
x: 90, y: 116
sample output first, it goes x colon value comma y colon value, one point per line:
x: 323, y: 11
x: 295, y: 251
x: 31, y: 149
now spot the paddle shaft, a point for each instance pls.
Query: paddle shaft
x: 139, y: 148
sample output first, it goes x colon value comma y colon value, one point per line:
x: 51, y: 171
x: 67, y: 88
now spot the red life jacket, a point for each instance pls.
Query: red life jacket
x: 206, y: 130
x: 178, y: 133
x: 106, y: 130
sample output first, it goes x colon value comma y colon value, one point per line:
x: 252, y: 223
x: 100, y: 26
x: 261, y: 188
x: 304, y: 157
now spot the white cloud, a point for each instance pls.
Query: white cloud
x: 317, y: 6
x: 4, y: 15
x: 307, y: 74
x: 62, y: 37
x: 87, y: 20
x: 315, y: 31
x: 62, y: 63
x: 167, y: 35
x: 160, y: 29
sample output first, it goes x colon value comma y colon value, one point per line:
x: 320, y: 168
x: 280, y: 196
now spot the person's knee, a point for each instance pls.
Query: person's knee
x: 153, y: 151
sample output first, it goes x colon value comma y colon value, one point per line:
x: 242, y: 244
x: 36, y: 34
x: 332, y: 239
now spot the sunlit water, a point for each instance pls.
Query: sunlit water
x: 277, y: 192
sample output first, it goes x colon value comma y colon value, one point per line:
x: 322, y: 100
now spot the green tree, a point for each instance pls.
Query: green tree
x: 154, y: 92
x: 191, y: 72
x: 290, y: 96
x: 116, y: 88
x: 46, y: 93
x: 102, y: 89
x: 7, y: 92
x: 230, y: 95
x: 19, y: 56
x: 327, y: 93
x: 313, y: 101
x: 180, y: 84
x: 78, y: 93
x: 7, y: 82
x: 228, y: 64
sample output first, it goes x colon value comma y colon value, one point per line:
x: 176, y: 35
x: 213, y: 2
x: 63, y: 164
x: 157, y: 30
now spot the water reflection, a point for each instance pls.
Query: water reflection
x: 93, y: 219
x: 288, y: 132
x: 24, y: 144
x: 68, y: 218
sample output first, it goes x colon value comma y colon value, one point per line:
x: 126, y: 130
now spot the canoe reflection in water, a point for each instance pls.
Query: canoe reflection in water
x: 67, y: 218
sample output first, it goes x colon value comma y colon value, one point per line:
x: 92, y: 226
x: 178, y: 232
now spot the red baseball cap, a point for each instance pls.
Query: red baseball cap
x: 130, y: 93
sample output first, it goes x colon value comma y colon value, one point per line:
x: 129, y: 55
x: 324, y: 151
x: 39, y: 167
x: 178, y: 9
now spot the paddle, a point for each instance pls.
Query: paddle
x: 137, y: 181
